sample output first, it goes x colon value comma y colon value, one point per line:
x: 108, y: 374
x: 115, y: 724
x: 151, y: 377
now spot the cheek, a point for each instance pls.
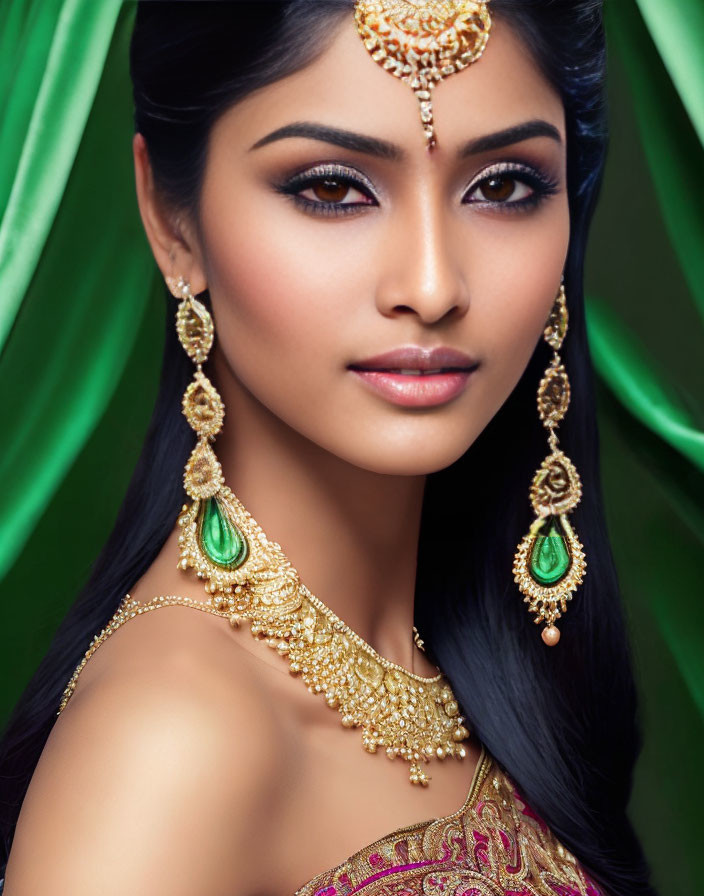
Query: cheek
x: 516, y: 286
x: 278, y: 298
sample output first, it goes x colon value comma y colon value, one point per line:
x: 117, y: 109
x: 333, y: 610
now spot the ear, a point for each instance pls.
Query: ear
x: 175, y: 249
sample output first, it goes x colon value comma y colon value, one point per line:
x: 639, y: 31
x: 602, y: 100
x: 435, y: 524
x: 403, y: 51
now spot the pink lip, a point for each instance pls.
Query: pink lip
x: 382, y: 373
x: 414, y: 390
x: 414, y: 357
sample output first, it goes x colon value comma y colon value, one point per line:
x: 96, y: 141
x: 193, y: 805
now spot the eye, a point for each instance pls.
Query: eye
x: 332, y: 189
x: 329, y: 190
x: 510, y: 184
x: 501, y: 187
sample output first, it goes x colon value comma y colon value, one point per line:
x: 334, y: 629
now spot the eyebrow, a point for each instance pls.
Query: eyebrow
x: 383, y: 149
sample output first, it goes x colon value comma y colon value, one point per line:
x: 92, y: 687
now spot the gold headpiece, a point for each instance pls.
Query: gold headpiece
x: 423, y: 42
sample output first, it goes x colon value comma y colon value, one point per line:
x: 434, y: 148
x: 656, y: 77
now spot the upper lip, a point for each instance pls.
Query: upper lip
x: 413, y: 357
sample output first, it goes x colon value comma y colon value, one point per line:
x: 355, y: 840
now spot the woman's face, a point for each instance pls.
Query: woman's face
x: 320, y: 255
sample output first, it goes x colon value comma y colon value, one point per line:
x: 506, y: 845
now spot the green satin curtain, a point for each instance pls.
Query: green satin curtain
x: 80, y: 345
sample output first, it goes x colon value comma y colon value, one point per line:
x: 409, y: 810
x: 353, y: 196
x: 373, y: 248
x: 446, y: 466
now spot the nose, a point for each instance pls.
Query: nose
x: 421, y: 269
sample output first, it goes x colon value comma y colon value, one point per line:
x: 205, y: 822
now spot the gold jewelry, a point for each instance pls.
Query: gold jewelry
x: 423, y: 42
x: 549, y: 562
x: 420, y: 643
x: 251, y: 579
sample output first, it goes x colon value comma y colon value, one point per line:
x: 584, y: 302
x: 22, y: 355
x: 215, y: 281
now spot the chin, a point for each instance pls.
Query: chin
x: 405, y: 460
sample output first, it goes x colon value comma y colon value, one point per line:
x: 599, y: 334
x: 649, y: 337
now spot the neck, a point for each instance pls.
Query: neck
x: 351, y: 533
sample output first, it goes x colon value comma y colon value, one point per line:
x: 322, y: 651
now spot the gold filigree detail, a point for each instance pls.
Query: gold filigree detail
x: 555, y: 490
x: 553, y: 394
x: 549, y: 602
x: 411, y: 717
x: 556, y: 487
x: 423, y: 42
x: 494, y: 844
x: 459, y: 882
x: 195, y: 329
x: 203, y: 407
x: 556, y: 327
x: 203, y: 476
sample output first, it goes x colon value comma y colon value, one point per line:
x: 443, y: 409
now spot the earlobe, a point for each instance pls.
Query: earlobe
x: 171, y: 249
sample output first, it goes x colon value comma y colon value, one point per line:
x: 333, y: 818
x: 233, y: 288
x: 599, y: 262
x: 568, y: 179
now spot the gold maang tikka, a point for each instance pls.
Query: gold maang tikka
x: 549, y: 563
x: 249, y: 578
x: 423, y: 42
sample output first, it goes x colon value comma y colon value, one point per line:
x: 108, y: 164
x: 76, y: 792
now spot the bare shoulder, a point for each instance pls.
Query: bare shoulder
x: 159, y: 774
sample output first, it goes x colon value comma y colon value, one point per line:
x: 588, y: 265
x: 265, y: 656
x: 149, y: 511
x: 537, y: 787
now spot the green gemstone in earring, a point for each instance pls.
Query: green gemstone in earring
x: 221, y: 541
x: 549, y: 557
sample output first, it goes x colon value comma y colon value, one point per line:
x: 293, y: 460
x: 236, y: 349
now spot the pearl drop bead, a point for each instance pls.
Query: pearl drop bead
x: 551, y: 635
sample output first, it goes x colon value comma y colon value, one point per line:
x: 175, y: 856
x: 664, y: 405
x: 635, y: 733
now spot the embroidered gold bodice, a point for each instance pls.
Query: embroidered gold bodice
x: 494, y: 845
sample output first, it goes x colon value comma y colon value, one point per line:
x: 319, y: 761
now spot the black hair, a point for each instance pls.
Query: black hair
x: 561, y: 720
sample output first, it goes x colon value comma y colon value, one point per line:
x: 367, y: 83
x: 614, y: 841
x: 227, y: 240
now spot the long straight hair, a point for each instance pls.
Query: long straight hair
x: 562, y: 721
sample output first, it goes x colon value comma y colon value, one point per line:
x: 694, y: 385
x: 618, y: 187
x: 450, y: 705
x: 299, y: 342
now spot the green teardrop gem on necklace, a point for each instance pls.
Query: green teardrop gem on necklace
x: 549, y: 557
x: 221, y: 541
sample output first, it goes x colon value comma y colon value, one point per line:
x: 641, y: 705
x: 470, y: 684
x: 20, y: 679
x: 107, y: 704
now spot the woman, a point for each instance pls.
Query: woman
x: 387, y: 289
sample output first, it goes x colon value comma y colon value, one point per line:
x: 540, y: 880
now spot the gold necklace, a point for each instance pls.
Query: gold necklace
x: 248, y: 576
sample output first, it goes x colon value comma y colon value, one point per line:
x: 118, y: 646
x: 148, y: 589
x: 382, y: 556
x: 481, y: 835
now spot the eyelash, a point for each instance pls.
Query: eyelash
x: 542, y: 185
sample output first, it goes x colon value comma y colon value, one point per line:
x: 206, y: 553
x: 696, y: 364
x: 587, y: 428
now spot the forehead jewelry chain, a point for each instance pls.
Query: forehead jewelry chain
x: 250, y: 579
x: 423, y: 42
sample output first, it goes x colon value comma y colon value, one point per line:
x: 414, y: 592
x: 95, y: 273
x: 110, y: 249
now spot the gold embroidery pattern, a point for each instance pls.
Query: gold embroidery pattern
x: 493, y: 844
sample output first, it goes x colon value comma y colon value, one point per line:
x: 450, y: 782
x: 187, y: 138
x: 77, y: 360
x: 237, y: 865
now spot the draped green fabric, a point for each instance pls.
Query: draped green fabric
x: 80, y: 346
x: 63, y: 178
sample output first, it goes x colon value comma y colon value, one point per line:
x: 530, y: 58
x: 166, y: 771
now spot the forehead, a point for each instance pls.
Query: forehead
x: 345, y: 87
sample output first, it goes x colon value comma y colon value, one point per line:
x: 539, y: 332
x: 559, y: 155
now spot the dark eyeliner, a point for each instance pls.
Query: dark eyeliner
x: 309, y: 177
x: 542, y: 185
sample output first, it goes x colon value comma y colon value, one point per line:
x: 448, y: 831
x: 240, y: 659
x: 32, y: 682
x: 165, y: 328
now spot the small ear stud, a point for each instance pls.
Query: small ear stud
x: 172, y: 283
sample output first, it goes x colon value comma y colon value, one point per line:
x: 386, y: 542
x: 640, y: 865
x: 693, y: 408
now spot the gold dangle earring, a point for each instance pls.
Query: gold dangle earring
x: 210, y: 542
x: 549, y: 563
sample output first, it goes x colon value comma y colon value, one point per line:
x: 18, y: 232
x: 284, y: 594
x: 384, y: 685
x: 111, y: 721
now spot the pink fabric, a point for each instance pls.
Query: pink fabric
x: 496, y: 845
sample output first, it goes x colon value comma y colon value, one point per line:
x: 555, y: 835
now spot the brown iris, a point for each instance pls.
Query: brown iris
x: 497, y: 188
x: 330, y: 190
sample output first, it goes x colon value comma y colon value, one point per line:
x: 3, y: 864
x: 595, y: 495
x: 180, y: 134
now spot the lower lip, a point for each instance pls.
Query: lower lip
x: 413, y: 390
